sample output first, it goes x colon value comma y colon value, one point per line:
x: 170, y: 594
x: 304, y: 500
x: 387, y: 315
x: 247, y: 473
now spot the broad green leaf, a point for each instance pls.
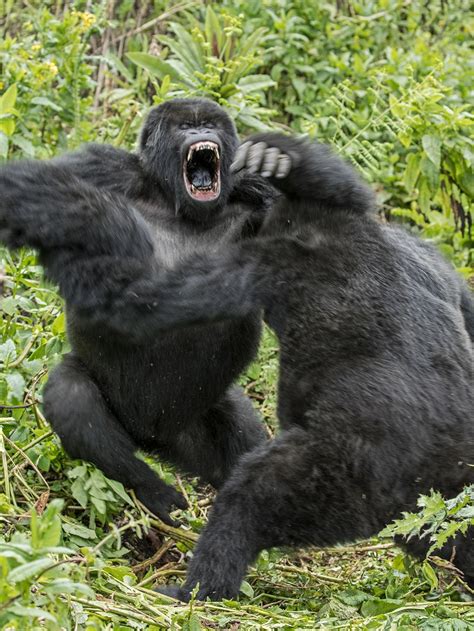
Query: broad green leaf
x: 431, y: 174
x: 16, y: 384
x: 432, y: 146
x: 255, y: 82
x: 377, y: 606
x: 247, y: 589
x: 412, y: 171
x: 466, y: 182
x: 32, y: 612
x: 8, y: 99
x: 42, y: 100
x: 59, y: 324
x: 3, y: 144
x: 155, y: 66
x: 24, y: 144
x: 7, y: 351
x: 29, y: 570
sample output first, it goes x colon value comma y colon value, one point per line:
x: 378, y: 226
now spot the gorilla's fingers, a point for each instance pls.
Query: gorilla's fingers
x: 270, y: 162
x: 255, y: 156
x: 240, y: 159
x: 284, y: 166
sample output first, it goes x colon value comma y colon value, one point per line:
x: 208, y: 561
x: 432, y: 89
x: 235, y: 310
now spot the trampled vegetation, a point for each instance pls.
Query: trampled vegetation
x: 390, y: 83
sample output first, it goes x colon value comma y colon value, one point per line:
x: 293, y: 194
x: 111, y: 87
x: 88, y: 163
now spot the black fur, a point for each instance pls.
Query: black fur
x: 376, y: 393
x: 101, y: 219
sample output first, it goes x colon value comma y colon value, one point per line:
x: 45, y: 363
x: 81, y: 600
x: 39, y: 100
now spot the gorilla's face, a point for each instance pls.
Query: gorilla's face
x: 187, y: 146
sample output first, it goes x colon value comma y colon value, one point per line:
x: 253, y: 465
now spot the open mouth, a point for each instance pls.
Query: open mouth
x: 201, y: 170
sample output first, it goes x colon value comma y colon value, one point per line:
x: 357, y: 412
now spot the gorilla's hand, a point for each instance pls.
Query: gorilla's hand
x: 160, y: 499
x: 174, y: 591
x: 305, y: 170
x: 268, y: 155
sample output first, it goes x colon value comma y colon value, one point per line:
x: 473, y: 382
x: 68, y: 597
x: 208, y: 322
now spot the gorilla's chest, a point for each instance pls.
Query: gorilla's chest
x: 176, y: 242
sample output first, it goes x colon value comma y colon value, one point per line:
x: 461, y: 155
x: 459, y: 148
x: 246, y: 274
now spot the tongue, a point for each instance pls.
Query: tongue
x: 201, y: 178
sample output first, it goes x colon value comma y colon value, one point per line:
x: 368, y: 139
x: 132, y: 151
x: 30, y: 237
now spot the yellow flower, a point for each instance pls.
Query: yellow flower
x: 51, y: 66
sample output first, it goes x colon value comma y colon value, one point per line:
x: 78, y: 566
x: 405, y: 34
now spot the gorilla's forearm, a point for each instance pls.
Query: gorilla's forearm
x: 106, y: 167
x: 305, y: 170
x: 45, y: 206
x: 140, y: 302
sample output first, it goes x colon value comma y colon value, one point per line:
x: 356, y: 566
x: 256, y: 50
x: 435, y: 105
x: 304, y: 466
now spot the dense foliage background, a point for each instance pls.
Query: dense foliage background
x: 391, y: 84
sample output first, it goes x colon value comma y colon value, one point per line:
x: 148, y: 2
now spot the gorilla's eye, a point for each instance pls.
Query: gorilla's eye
x: 185, y: 125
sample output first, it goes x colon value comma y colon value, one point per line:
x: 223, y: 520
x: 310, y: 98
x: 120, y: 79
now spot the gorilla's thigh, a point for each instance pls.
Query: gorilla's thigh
x: 88, y: 430
x: 211, y: 446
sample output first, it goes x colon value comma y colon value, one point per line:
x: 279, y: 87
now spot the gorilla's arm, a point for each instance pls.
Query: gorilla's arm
x: 45, y: 206
x: 106, y: 167
x: 217, y: 287
x: 305, y: 170
x: 74, y: 226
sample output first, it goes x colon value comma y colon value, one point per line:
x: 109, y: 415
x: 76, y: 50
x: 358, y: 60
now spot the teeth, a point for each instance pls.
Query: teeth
x: 205, y: 145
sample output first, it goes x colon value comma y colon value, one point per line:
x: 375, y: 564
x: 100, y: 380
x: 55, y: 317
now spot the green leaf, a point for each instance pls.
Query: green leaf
x: 8, y: 99
x: 412, y: 171
x: 31, y: 612
x: 24, y: 144
x: 154, y: 65
x: 7, y: 351
x: 3, y: 144
x: 255, y: 82
x: 377, y: 606
x: 28, y: 570
x: 16, y: 384
x: 430, y: 575
x: 59, y: 324
x: 432, y: 146
x: 431, y: 173
x: 466, y: 182
x: 78, y: 492
x: 42, y: 100
x: 247, y: 589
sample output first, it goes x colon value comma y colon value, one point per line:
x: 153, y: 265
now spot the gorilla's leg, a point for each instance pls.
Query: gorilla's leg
x: 88, y: 430
x: 210, y: 447
x: 286, y: 492
x: 459, y: 550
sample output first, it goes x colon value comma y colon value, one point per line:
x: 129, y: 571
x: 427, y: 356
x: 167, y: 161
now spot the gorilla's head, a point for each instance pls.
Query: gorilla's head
x: 187, y: 147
